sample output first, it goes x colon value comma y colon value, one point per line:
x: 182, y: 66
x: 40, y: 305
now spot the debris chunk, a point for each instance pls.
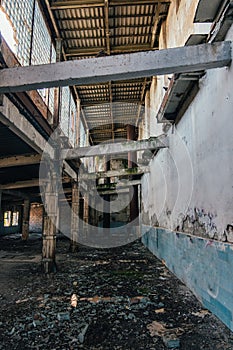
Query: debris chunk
x: 63, y: 316
x: 74, y: 300
x: 171, y: 341
x: 82, y: 334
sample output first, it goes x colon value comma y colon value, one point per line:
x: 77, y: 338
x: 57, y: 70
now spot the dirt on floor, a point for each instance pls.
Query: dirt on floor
x: 120, y: 298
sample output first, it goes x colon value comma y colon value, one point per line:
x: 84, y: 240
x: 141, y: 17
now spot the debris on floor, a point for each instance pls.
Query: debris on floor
x: 99, y: 300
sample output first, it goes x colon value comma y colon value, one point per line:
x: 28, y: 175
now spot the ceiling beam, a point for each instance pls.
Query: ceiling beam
x: 16, y: 194
x: 26, y: 159
x: 62, y: 5
x: 106, y: 22
x: 134, y: 65
x: 27, y: 184
x: 155, y: 25
x: 76, y: 52
x: 116, y: 148
x: 114, y: 173
x: 19, y: 125
x: 20, y: 184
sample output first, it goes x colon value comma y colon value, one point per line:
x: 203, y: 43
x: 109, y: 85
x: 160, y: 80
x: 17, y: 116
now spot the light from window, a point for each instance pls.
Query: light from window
x: 7, y: 218
x: 15, y: 218
x: 7, y: 31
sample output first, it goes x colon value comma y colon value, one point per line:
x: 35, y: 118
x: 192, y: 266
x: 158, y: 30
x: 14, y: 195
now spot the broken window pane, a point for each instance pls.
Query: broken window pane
x: 15, y: 218
x: 7, y: 218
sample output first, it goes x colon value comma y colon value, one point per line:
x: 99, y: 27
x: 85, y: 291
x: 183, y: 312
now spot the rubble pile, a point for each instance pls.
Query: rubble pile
x: 121, y: 298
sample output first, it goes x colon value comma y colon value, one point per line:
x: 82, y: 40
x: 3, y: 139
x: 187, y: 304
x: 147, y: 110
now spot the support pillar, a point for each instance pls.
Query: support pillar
x: 1, y: 214
x: 78, y: 112
x: 49, y: 227
x: 85, y: 214
x: 74, y: 217
x: 57, y: 90
x: 132, y: 161
x: 26, y: 216
x: 106, y: 209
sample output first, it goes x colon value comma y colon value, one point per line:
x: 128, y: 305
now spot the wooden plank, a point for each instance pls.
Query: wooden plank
x: 118, y: 67
x: 116, y: 148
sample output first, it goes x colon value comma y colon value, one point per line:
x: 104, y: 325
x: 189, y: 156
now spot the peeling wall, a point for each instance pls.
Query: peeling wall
x: 190, y: 186
x: 187, y: 198
x: 203, y: 265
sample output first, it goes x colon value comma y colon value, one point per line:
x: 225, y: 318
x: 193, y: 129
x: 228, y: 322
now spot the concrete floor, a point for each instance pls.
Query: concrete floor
x: 126, y: 299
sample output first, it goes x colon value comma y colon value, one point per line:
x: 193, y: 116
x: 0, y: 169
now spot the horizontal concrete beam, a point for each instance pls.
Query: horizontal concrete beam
x: 20, y: 184
x: 74, y: 4
x: 27, y: 184
x: 118, y: 67
x: 19, y: 125
x: 153, y: 143
x: 116, y: 173
x: 69, y: 171
x: 113, y: 188
x: 118, y: 185
x: 121, y: 191
x: 15, y: 194
x: 27, y: 159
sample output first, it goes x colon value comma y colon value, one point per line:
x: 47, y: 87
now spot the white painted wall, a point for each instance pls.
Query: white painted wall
x: 194, y: 176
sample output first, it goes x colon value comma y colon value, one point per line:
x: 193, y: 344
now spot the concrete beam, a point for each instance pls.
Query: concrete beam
x: 15, y: 194
x: 19, y: 125
x: 20, y: 184
x: 26, y: 159
x: 69, y: 171
x: 111, y: 173
x: 25, y: 184
x: 116, y: 148
x: 74, y: 4
x: 119, y: 185
x: 126, y: 66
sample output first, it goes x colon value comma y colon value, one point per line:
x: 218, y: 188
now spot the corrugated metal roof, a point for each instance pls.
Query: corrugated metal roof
x: 106, y: 27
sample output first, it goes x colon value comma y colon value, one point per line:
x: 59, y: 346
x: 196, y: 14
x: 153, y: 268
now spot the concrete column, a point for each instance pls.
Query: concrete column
x: 57, y: 90
x: 85, y: 214
x: 74, y: 217
x: 106, y: 207
x: 49, y: 226
x: 1, y: 213
x: 132, y: 162
x: 78, y: 111
x: 26, y: 216
x: 147, y: 116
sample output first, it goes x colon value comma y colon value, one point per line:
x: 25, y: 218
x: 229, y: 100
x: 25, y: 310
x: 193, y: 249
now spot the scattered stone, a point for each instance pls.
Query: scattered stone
x: 36, y: 323
x: 114, y: 310
x: 160, y: 311
x: 74, y: 300
x: 171, y: 341
x: 81, y: 335
x: 63, y: 316
x: 201, y: 313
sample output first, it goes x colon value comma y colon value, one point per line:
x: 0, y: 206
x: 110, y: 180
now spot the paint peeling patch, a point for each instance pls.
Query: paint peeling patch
x: 199, y: 223
x: 228, y: 233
